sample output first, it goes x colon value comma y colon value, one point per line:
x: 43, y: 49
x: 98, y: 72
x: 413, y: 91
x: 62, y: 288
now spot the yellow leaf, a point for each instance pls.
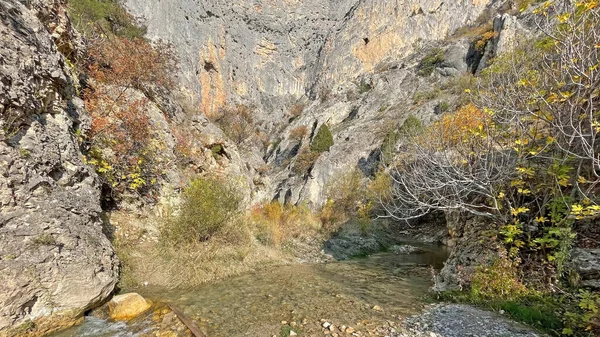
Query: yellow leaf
x: 520, y: 210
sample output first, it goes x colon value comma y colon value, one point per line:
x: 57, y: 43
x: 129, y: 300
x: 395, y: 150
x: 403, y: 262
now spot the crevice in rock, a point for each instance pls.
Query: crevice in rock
x: 209, y: 66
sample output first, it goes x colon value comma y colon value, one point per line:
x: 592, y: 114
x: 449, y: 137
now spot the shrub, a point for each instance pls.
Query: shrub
x: 297, y: 110
x: 121, y: 142
x: 411, y: 127
x: 443, y: 107
x: 131, y: 63
x: 277, y: 223
x: 329, y: 216
x: 92, y: 17
x: 388, y: 147
x: 462, y: 125
x: 485, y: 38
x: 237, y: 123
x: 345, y: 195
x: 499, y: 281
x: 364, y: 215
x: 364, y: 86
x: 380, y: 188
x: 322, y: 141
x: 305, y: 161
x: 298, y: 133
x: 424, y: 96
x: 586, y: 315
x: 433, y: 59
x: 208, y: 206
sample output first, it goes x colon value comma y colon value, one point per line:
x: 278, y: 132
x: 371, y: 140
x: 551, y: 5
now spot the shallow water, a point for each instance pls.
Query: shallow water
x: 343, y: 293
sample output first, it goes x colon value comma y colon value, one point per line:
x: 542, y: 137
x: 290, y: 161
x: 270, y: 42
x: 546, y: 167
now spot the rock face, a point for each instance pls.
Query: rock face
x: 349, y: 62
x: 55, y: 260
x: 271, y: 53
x: 587, y: 264
x: 469, y: 250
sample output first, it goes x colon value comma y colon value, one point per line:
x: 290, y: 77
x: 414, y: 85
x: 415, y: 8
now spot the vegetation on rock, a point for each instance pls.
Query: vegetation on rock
x: 434, y: 58
x: 93, y: 17
x: 523, y: 155
x: 322, y: 141
x: 122, y: 143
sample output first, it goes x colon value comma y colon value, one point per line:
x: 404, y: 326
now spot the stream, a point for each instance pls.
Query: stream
x: 363, y: 293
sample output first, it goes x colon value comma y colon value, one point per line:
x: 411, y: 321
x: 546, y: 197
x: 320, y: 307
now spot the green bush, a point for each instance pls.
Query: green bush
x: 322, y: 141
x: 444, y: 106
x: 434, y: 58
x: 208, y: 205
x: 107, y: 16
x: 411, y: 126
x: 388, y: 147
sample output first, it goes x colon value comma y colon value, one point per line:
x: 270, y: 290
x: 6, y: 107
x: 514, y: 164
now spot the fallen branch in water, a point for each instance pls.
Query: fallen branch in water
x: 188, y: 322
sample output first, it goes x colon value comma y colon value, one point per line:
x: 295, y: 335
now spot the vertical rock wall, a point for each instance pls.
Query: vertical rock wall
x: 55, y: 260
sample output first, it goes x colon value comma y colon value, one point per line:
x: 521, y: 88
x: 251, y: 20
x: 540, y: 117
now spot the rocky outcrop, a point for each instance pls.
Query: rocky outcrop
x: 55, y: 260
x: 470, y: 249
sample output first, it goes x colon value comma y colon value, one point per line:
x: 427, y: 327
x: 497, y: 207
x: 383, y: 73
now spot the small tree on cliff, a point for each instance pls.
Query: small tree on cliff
x: 322, y: 141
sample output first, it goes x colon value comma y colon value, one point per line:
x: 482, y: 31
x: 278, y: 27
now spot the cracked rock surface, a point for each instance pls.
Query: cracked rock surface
x: 55, y: 260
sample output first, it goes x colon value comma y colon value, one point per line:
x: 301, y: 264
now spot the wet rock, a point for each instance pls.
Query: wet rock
x: 405, y: 249
x: 350, y: 241
x: 127, y: 306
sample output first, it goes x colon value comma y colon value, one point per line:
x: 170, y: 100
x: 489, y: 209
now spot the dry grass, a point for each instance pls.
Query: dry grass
x: 263, y: 237
x: 472, y: 32
x: 274, y: 223
x: 191, y: 265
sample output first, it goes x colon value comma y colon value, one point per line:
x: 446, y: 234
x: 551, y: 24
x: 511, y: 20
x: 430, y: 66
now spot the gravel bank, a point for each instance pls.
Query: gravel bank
x: 459, y: 320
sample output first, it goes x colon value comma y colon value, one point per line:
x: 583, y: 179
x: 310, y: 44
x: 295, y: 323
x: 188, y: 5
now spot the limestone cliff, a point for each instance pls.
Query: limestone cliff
x: 273, y: 54
x: 55, y: 260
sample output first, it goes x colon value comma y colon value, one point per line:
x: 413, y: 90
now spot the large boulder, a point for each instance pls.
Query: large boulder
x: 55, y: 260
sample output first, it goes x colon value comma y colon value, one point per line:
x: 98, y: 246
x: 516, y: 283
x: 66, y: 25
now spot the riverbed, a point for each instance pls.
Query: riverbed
x: 361, y: 294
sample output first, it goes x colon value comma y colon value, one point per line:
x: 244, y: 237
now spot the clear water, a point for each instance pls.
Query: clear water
x: 255, y: 304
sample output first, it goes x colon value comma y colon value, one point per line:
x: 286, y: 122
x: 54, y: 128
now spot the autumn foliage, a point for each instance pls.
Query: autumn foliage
x: 131, y: 63
x: 121, y: 142
x: 523, y: 157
